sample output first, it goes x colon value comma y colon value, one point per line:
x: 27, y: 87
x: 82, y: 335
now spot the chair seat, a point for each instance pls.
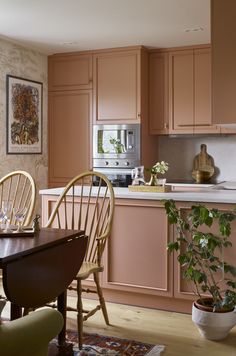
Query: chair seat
x: 88, y: 268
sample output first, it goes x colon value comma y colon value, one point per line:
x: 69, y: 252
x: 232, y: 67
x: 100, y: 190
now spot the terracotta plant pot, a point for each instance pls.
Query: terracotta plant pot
x: 207, y: 306
x: 213, y: 325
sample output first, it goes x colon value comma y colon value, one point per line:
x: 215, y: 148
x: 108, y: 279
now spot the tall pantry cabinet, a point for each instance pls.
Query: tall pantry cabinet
x: 69, y: 116
x: 113, y: 85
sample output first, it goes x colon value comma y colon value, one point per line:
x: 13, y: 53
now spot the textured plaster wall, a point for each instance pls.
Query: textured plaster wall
x: 29, y: 64
x: 180, y: 152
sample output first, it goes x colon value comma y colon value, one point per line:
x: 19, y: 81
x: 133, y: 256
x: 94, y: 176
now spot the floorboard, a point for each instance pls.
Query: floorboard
x: 174, y: 330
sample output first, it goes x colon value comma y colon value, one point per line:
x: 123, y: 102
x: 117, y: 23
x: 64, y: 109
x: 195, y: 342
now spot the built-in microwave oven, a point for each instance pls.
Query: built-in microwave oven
x: 116, y: 146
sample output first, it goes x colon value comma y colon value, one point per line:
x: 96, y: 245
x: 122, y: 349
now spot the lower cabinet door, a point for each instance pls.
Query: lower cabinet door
x: 184, y: 289
x: 136, y: 258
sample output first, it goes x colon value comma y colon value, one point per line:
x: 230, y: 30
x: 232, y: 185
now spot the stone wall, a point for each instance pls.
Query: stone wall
x: 29, y: 64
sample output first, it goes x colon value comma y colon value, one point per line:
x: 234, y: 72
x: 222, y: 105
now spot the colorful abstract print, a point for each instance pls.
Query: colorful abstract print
x: 25, y: 110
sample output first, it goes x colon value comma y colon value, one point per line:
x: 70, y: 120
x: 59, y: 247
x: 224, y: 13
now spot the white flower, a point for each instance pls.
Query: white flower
x: 160, y: 167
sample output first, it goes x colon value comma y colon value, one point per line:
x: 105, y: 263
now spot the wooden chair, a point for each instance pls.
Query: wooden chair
x: 85, y: 206
x: 19, y: 188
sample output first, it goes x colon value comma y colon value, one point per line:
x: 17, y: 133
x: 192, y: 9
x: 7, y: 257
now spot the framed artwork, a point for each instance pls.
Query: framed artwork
x: 24, y: 116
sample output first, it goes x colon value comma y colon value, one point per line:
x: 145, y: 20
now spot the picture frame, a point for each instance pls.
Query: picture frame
x: 24, y: 116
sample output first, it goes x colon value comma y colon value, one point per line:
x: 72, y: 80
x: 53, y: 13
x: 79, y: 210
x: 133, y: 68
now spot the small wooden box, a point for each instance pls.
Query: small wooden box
x: 150, y: 188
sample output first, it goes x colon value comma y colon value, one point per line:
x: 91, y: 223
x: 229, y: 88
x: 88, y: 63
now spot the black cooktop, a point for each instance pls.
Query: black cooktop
x: 191, y: 181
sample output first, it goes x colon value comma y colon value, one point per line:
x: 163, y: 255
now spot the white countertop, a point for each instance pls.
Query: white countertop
x: 211, y: 194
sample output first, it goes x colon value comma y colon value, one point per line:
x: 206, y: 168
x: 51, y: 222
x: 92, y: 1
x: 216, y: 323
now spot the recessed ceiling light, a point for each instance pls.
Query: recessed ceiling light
x: 194, y: 29
x: 69, y: 43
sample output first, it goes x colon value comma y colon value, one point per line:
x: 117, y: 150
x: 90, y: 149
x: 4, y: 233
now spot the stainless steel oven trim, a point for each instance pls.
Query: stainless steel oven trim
x: 116, y: 163
x: 134, y: 127
x: 110, y: 171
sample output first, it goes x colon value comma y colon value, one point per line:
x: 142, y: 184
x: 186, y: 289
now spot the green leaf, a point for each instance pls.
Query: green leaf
x: 231, y: 284
x: 230, y: 269
x: 215, y: 213
x: 227, y: 244
x: 173, y: 246
x: 198, y: 276
x: 206, y: 216
x: 214, y: 268
x: 204, y: 288
x: 183, y: 259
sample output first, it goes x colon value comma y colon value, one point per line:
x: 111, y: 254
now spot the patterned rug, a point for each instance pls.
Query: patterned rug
x: 95, y: 345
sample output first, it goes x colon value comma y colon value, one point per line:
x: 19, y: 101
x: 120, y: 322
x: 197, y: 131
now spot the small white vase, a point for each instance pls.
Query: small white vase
x: 154, y: 180
x: 213, y: 326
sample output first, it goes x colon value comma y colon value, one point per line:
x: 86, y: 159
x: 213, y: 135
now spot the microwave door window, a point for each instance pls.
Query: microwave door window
x: 111, y: 141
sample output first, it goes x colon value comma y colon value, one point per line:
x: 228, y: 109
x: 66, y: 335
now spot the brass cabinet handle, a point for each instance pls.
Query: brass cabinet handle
x: 182, y: 125
x: 202, y: 125
x: 192, y: 125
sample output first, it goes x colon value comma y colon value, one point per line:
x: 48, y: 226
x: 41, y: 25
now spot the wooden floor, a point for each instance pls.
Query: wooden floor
x: 176, y: 331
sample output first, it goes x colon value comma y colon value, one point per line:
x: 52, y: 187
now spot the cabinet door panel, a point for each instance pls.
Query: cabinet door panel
x: 117, y: 86
x: 69, y: 135
x: 203, y: 92
x: 69, y: 72
x: 137, y: 258
x: 181, y: 86
x: 223, y: 62
x: 202, y: 62
x: 158, y: 94
x: 190, y: 92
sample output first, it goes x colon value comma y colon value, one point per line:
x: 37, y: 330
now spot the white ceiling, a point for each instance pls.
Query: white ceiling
x: 52, y: 26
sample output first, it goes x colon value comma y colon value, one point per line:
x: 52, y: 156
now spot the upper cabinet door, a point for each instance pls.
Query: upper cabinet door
x: 202, y: 61
x: 70, y: 72
x: 181, y: 91
x: 223, y: 14
x: 117, y: 86
x: 158, y: 93
x: 190, y: 92
x: 203, y: 92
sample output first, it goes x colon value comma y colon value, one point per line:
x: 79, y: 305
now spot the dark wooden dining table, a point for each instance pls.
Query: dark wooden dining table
x: 37, y: 268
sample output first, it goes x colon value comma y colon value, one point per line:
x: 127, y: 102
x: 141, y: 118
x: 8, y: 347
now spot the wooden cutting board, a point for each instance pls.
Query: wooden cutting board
x: 203, y: 162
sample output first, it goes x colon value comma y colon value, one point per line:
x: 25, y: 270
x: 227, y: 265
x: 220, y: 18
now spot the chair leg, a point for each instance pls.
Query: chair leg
x: 79, y: 314
x: 26, y: 311
x: 101, y: 298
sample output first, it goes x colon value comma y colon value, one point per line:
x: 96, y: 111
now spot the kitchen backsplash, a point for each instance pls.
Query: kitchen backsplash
x: 180, y: 152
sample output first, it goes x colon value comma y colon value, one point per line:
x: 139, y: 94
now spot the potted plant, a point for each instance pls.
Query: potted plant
x: 158, y: 168
x: 201, y: 257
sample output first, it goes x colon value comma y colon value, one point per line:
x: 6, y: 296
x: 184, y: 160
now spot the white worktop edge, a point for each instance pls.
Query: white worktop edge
x: 209, y: 195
